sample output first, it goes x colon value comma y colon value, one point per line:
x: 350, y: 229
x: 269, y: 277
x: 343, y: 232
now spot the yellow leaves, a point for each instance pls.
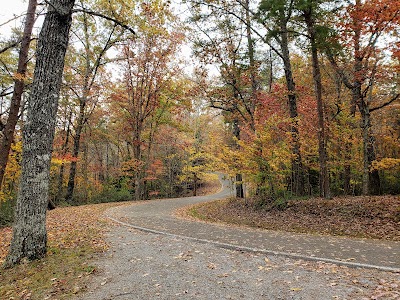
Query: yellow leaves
x: 13, y: 171
x: 387, y: 163
x: 130, y: 167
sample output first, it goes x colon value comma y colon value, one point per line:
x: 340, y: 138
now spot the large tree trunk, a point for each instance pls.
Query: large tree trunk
x: 29, y: 234
x: 8, y: 133
x: 323, y: 156
x: 297, y: 178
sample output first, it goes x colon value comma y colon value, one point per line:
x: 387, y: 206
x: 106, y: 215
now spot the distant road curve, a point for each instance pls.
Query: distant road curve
x: 157, y: 216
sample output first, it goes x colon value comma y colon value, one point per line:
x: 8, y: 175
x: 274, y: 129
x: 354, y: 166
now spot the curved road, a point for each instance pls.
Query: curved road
x: 157, y: 216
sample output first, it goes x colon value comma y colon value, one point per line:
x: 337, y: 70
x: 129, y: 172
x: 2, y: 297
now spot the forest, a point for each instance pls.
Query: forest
x: 121, y: 100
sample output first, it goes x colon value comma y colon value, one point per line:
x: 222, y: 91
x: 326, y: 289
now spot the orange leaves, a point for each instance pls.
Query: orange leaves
x: 371, y: 18
x: 58, y: 159
x: 132, y: 166
x: 5, y: 239
x: 67, y: 228
x: 72, y: 227
x: 156, y: 169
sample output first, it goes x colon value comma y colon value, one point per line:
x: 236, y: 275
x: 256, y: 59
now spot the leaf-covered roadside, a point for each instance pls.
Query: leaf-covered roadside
x: 375, y: 217
x: 74, y: 235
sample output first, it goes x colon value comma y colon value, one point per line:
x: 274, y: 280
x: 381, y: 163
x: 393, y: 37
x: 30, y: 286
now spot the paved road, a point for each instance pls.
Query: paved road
x: 158, y: 217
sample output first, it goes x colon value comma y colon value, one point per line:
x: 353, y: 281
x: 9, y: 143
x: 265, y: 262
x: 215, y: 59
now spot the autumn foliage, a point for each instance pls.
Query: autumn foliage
x: 138, y: 120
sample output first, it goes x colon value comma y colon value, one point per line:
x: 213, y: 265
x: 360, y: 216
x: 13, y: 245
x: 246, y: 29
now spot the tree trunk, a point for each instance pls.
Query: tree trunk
x: 195, y: 179
x: 75, y: 153
x: 62, y: 167
x: 348, y: 153
x: 29, y: 233
x: 374, y: 178
x: 363, y: 105
x: 83, y: 99
x: 238, y: 176
x: 8, y: 133
x: 137, y: 154
x: 370, y: 178
x: 252, y: 65
x: 323, y: 157
x: 297, y: 178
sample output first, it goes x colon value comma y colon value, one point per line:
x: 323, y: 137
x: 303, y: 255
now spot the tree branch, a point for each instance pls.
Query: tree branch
x: 97, y: 14
x: 338, y: 70
x: 386, y: 103
x: 10, y: 45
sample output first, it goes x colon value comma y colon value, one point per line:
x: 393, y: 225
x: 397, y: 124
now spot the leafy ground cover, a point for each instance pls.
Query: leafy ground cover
x: 74, y: 236
x: 375, y: 217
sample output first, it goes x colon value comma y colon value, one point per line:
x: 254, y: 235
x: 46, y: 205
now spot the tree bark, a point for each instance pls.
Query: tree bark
x: 29, y: 232
x: 8, y: 133
x: 64, y: 151
x: 360, y: 100
x: 370, y: 179
x: 77, y: 141
x: 297, y: 178
x: 323, y: 156
x: 238, y: 176
x: 252, y: 64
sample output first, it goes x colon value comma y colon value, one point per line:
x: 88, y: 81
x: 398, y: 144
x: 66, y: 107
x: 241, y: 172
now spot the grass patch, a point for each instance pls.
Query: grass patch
x: 376, y: 217
x: 75, y: 235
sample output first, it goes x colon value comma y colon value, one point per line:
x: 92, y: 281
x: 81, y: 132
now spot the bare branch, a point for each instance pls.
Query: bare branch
x: 13, y: 19
x: 97, y: 14
x: 338, y: 70
x: 386, y: 103
x: 10, y: 45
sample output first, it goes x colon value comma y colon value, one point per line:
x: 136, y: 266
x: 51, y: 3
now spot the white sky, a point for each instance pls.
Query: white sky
x: 9, y: 9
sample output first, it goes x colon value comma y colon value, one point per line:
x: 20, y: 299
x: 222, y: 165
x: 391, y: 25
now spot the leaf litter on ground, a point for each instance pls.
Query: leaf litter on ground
x: 376, y: 217
x: 75, y: 234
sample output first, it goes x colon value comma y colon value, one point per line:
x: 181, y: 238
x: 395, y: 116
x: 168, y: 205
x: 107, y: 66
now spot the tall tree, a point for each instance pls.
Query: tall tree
x: 148, y: 73
x: 365, y: 23
x: 29, y: 232
x: 309, y: 12
x: 19, y: 83
x: 89, y: 62
x: 276, y: 15
x: 221, y: 42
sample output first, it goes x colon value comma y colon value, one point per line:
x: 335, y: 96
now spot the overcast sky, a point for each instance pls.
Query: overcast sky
x: 9, y: 9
